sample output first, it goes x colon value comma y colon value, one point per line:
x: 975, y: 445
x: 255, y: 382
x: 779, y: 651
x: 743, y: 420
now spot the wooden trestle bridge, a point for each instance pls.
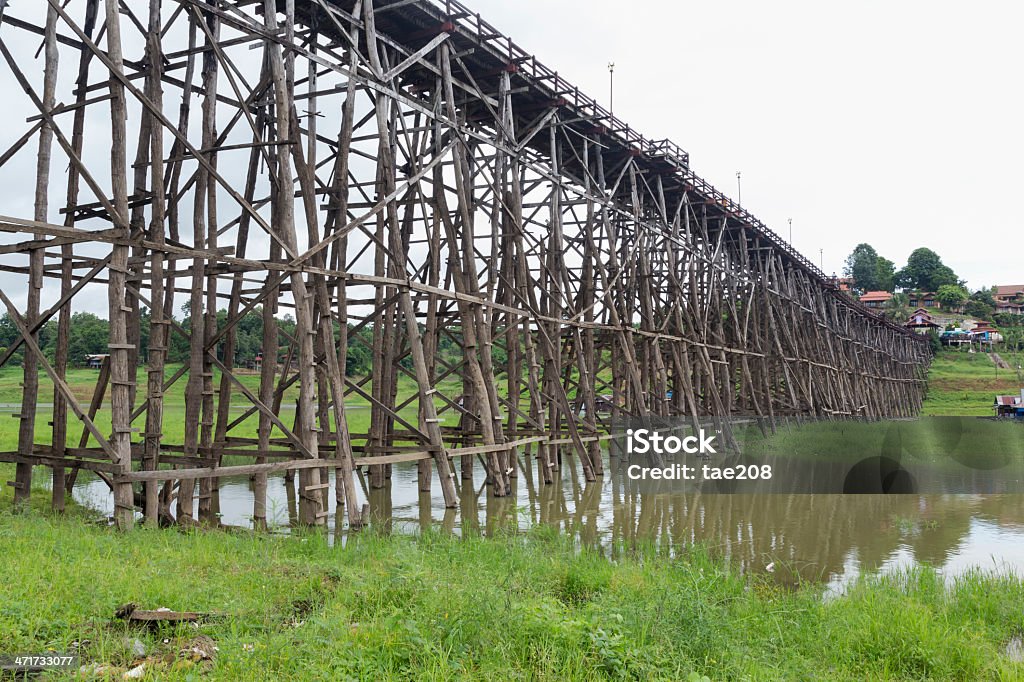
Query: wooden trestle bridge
x: 399, y: 175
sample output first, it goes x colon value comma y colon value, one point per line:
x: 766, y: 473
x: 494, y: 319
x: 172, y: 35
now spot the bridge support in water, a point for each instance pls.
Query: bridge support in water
x: 448, y: 253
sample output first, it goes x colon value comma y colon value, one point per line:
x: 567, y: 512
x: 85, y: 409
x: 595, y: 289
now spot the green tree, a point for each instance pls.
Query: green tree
x: 977, y: 310
x: 8, y: 337
x: 886, y: 278
x: 897, y: 308
x: 951, y: 296
x: 980, y: 305
x: 862, y: 266
x: 985, y: 296
x: 90, y: 335
x: 925, y: 271
x: 359, y: 356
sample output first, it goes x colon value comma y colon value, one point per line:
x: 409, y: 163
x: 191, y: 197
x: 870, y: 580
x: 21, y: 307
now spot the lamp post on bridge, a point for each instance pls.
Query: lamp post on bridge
x: 611, y: 87
x: 791, y: 232
x: 739, y: 190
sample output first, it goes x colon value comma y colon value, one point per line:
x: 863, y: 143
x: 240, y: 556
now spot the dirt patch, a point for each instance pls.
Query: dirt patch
x: 1000, y: 363
x: 957, y: 385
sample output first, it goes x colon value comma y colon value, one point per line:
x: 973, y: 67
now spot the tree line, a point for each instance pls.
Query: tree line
x: 924, y: 272
x: 90, y: 334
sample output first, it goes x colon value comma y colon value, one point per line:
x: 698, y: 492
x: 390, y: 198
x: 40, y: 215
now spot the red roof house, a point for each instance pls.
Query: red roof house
x: 875, y: 299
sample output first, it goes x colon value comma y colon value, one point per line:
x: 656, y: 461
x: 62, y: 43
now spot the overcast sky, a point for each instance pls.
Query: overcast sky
x: 894, y: 123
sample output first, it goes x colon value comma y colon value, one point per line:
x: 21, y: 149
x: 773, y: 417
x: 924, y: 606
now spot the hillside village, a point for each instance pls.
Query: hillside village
x: 926, y: 295
x: 928, y: 298
x: 969, y: 319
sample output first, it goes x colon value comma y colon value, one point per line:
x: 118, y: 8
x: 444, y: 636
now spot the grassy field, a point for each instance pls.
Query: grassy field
x: 965, y: 384
x: 931, y: 438
x: 959, y: 384
x: 440, y: 607
x: 515, y: 607
x: 83, y: 381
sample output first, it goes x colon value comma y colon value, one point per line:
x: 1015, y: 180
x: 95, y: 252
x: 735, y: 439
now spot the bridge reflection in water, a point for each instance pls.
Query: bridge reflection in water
x: 808, y: 537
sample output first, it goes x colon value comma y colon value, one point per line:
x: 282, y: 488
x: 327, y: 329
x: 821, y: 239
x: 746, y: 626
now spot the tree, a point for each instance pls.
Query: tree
x: 951, y: 296
x: 984, y: 296
x: 925, y: 271
x: 862, y: 266
x: 89, y: 336
x: 896, y: 308
x: 8, y: 331
x: 886, y: 275
x: 980, y: 304
x: 944, y: 276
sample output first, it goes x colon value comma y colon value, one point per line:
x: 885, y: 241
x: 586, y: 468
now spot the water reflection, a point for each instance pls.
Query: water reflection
x: 828, y: 538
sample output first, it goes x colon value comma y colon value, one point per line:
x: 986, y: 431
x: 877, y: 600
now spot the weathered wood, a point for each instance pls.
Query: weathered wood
x: 30, y: 369
x: 475, y: 222
x: 132, y: 613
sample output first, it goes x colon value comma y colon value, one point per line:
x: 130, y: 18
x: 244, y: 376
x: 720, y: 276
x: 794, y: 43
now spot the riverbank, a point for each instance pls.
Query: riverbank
x: 510, y: 607
x: 528, y: 605
x: 965, y: 384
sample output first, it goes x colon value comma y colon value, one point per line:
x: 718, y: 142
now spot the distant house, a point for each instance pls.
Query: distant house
x: 984, y: 332
x: 845, y: 284
x: 875, y: 299
x: 923, y: 299
x: 920, y: 322
x: 955, y: 337
x: 1006, y: 293
x: 1010, y: 308
x: 1010, y: 406
x: 95, y: 361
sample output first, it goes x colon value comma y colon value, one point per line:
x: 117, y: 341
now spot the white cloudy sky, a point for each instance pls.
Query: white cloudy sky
x: 896, y: 123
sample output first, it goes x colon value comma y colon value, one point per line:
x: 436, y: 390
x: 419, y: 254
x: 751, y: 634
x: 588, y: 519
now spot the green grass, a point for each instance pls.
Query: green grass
x: 965, y: 384
x: 930, y: 438
x: 83, y: 381
x: 510, y: 607
x: 440, y: 607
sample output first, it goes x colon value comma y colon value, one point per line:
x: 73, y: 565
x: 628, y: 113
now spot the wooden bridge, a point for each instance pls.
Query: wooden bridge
x: 398, y: 175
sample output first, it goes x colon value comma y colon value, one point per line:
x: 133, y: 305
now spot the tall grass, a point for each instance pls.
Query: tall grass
x: 962, y: 383
x: 441, y: 607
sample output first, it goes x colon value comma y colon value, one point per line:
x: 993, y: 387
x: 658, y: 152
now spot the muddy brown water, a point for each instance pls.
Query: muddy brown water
x: 795, y: 537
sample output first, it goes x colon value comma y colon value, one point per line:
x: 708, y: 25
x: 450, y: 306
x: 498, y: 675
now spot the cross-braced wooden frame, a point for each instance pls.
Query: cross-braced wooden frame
x: 405, y: 171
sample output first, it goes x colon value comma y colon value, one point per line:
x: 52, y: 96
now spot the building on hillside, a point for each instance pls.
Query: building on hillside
x: 96, y: 361
x: 875, y: 299
x: 955, y: 337
x: 985, y: 333
x: 1010, y: 308
x: 922, y: 299
x: 1010, y: 406
x: 921, y: 322
x: 1006, y: 293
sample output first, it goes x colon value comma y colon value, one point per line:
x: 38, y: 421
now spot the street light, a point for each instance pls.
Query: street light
x: 739, y: 190
x: 611, y: 87
x: 791, y: 232
x: 821, y: 259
